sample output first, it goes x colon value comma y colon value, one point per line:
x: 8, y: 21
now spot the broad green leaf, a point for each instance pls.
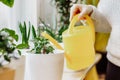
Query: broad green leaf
x: 9, y: 49
x: 8, y: 2
x: 34, y: 32
x: 7, y: 58
x: 22, y: 46
x: 11, y: 33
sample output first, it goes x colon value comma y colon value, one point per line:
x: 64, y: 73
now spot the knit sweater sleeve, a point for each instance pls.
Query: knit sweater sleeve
x: 100, y: 22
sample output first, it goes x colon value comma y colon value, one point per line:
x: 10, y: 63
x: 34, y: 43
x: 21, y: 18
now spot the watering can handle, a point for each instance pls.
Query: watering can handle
x: 89, y: 21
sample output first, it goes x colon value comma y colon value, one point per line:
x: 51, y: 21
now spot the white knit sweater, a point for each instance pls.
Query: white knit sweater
x: 107, y: 18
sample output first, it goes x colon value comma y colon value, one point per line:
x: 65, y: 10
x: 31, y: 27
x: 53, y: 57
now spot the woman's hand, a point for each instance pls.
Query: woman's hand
x: 81, y: 10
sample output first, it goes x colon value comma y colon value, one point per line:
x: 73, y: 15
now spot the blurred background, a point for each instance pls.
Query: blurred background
x: 53, y: 14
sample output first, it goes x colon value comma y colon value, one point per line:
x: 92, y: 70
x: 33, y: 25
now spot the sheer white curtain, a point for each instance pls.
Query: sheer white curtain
x: 4, y: 16
x: 27, y: 10
x: 23, y: 10
x: 46, y: 11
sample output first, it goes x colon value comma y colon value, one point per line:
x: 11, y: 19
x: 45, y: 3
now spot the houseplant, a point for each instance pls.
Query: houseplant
x: 7, y: 48
x: 48, y: 62
x: 7, y: 53
x: 25, y: 35
x: 7, y: 45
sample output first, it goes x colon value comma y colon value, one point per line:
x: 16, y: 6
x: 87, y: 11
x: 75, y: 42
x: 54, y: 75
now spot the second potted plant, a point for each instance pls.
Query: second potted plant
x: 44, y: 62
x: 8, y: 53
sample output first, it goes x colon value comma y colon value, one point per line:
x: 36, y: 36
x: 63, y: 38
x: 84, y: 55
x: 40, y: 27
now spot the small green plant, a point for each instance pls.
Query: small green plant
x: 41, y: 45
x: 7, y: 45
x: 25, y: 35
x: 52, y: 32
x: 8, y: 2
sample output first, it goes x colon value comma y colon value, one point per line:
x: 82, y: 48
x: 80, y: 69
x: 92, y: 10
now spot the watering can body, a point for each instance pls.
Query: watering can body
x: 79, y: 44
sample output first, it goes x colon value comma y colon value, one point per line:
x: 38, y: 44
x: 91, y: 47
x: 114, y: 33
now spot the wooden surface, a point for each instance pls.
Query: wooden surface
x: 67, y: 74
x: 19, y: 66
x: 76, y: 75
x: 7, y: 74
x: 14, y: 70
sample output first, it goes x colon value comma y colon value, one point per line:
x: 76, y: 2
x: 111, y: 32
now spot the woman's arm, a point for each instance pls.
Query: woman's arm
x: 100, y: 22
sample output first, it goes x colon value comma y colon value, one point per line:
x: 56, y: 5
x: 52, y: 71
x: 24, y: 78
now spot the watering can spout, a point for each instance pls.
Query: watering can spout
x: 56, y: 44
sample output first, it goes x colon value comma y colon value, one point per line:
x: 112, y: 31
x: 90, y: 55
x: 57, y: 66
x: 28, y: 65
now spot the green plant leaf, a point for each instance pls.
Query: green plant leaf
x: 42, y: 46
x: 29, y: 31
x: 11, y: 33
x: 39, y: 30
x: 19, y: 52
x: 49, y: 49
x: 8, y: 2
x: 25, y: 32
x: 33, y: 32
x: 7, y: 58
x: 9, y: 49
x: 20, y: 27
x: 50, y: 32
x: 62, y: 29
x: 22, y: 46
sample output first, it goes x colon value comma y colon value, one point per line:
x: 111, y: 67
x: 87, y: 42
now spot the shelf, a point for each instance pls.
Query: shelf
x: 76, y: 75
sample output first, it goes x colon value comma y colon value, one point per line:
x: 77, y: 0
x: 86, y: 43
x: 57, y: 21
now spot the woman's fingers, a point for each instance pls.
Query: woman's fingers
x: 81, y: 10
x: 75, y: 9
x: 83, y: 13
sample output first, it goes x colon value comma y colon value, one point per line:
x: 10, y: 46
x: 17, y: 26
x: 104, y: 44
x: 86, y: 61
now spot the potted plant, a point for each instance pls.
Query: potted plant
x: 44, y: 62
x: 7, y: 53
x: 25, y: 34
x: 8, y: 50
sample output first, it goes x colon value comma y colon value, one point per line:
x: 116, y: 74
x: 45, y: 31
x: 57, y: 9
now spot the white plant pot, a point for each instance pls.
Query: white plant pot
x: 44, y: 66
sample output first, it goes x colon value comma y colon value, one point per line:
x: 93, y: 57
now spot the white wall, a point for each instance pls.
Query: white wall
x: 46, y: 10
x: 23, y: 10
x: 27, y: 10
x: 4, y: 10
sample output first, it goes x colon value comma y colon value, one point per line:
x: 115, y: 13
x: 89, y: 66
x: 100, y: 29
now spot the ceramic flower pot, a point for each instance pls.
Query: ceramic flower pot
x: 44, y: 66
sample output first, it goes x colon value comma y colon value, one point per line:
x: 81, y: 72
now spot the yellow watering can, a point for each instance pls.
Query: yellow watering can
x: 79, y: 44
x: 83, y: 57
